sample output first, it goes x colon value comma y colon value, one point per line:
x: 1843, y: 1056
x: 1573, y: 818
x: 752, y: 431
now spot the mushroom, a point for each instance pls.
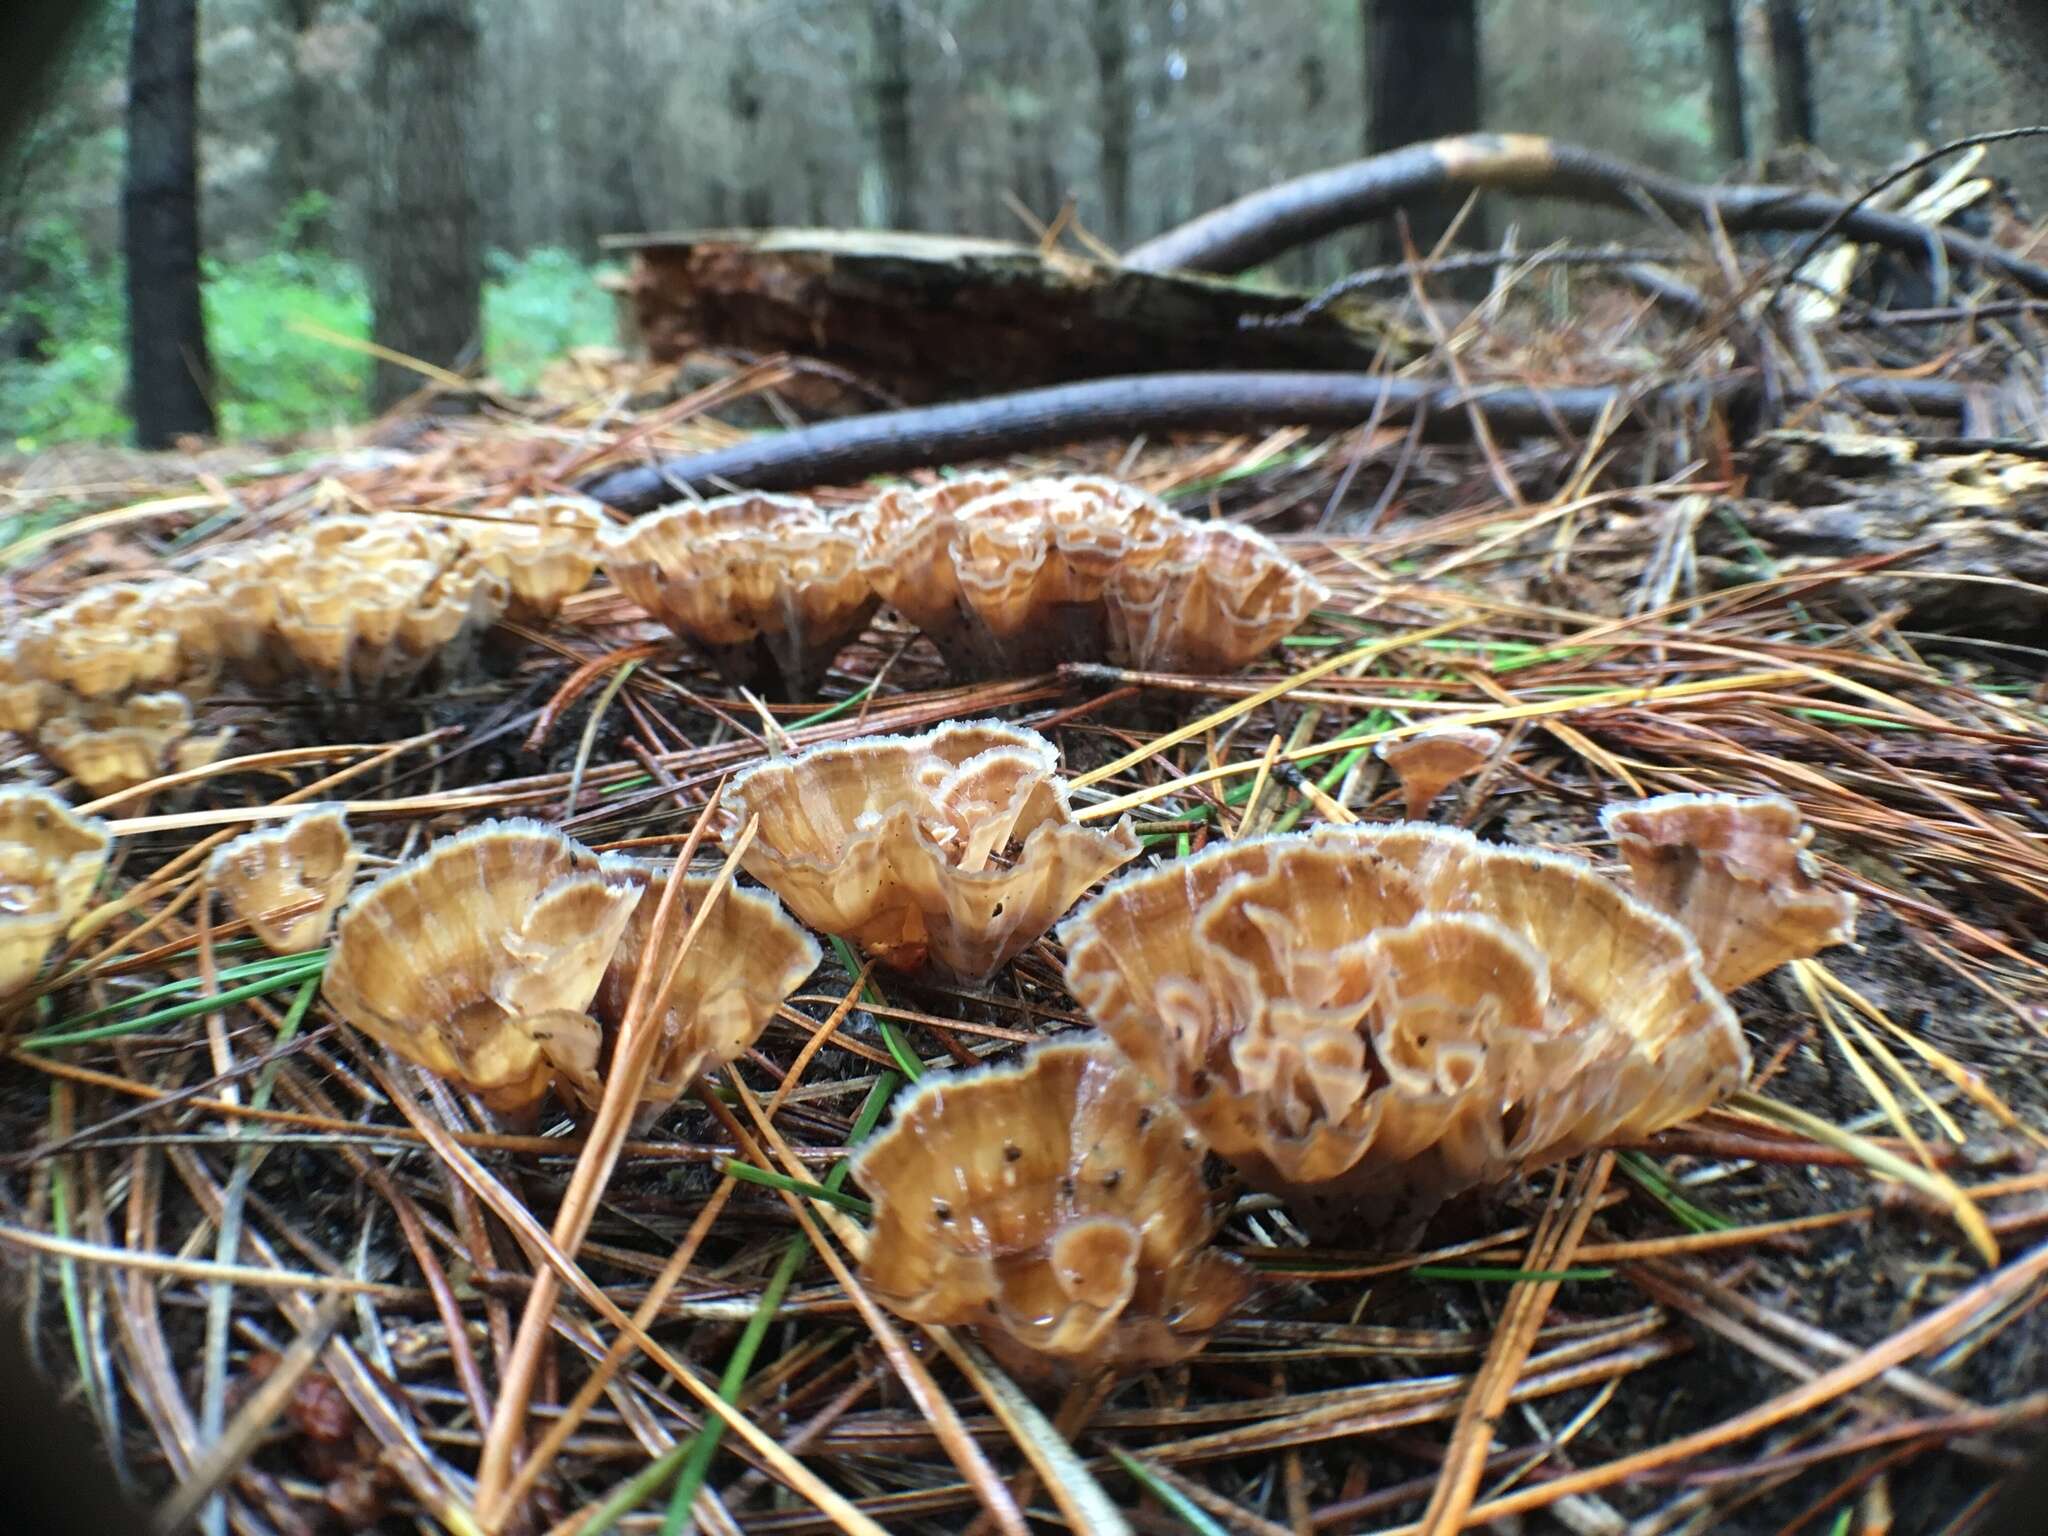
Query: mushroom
x: 768, y: 587
x: 1057, y: 1205
x: 118, y: 638
x: 285, y: 881
x: 112, y: 744
x: 1370, y: 1020
x: 24, y: 697
x: 1206, y: 597
x: 957, y: 847
x: 1736, y: 874
x: 744, y: 961
x: 1429, y: 762
x: 545, y: 549
x: 473, y: 958
x: 50, y: 859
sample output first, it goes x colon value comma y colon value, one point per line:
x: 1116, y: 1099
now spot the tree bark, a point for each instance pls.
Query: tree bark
x: 426, y: 258
x: 892, y: 114
x: 298, y: 139
x: 1724, y: 68
x: 170, y: 379
x: 2022, y: 28
x: 1422, y: 82
x: 1111, y: 37
x: 1791, y: 72
x: 743, y: 94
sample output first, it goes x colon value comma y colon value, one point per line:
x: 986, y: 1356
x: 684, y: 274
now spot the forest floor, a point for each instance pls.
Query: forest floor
x: 1763, y: 1330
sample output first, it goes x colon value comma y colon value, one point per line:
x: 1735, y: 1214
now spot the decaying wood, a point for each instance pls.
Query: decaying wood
x: 926, y: 317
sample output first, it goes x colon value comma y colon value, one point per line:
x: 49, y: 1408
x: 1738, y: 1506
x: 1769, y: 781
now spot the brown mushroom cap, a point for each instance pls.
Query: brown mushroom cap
x: 544, y: 548
x: 119, y: 637
x: 50, y: 859
x: 767, y: 586
x: 1429, y: 762
x: 745, y: 960
x: 286, y: 881
x: 1376, y: 1018
x: 112, y: 744
x: 1208, y: 597
x: 957, y: 846
x: 1055, y: 1203
x: 1736, y: 874
x: 463, y: 960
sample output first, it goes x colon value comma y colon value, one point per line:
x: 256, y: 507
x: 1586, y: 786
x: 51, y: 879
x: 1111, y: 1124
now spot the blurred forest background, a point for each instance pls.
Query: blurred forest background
x: 531, y: 128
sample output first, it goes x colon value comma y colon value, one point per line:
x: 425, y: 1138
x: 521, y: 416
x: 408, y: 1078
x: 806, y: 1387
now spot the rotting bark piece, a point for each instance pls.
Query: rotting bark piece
x: 957, y: 848
x: 768, y: 587
x: 50, y: 860
x: 1736, y: 875
x: 112, y: 744
x: 545, y: 549
x: 1057, y: 1205
x: 1205, y: 598
x: 286, y: 881
x: 1429, y: 762
x: 748, y: 957
x: 1369, y: 1020
x: 470, y: 958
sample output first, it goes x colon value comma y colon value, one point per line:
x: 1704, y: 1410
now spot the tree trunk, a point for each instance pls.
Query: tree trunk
x: 170, y: 380
x: 892, y: 115
x: 1791, y: 74
x: 743, y: 95
x: 426, y: 262
x: 1111, y: 37
x: 1919, y: 67
x: 298, y: 140
x: 1422, y: 82
x: 2021, y: 26
x: 1724, y: 69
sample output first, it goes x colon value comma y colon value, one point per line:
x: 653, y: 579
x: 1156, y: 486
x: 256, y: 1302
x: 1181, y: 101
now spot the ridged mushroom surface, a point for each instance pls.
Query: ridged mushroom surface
x: 119, y: 638
x: 1205, y: 598
x: 745, y: 960
x: 957, y: 847
x: 1372, y: 1019
x: 1429, y: 762
x: 1735, y: 873
x: 768, y: 587
x: 545, y: 549
x: 112, y: 744
x: 50, y: 859
x: 468, y: 959
x: 286, y: 881
x: 1057, y: 1205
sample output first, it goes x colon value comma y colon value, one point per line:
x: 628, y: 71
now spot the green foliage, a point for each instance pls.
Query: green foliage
x: 272, y: 377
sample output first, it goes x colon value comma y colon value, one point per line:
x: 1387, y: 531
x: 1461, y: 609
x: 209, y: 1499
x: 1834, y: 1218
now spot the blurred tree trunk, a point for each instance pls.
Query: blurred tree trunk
x: 743, y: 95
x: 1724, y: 69
x: 1791, y: 72
x: 2022, y: 27
x: 1421, y: 82
x: 1111, y: 37
x: 298, y: 142
x: 892, y: 114
x: 1919, y: 67
x: 426, y: 262
x: 169, y: 377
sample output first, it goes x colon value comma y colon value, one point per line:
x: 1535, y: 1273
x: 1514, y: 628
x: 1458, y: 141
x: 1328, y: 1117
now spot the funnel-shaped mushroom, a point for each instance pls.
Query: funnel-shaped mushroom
x: 1057, y: 1205
x: 767, y: 586
x: 120, y: 637
x: 1736, y: 875
x: 544, y: 548
x: 1430, y: 762
x: 285, y: 881
x: 50, y: 859
x: 957, y: 847
x: 113, y: 744
x: 467, y: 959
x: 1206, y: 597
x: 744, y: 961
x: 1372, y: 1019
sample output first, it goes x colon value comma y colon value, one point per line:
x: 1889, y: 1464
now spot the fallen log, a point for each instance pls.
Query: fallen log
x: 849, y: 450
x: 927, y: 317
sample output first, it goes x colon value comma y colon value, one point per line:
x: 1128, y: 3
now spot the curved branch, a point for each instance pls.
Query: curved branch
x: 842, y: 452
x: 1262, y: 225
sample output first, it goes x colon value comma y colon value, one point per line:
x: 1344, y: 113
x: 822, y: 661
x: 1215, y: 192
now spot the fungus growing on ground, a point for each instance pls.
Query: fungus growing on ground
x: 545, y: 549
x: 50, y: 859
x: 1736, y: 875
x: 285, y: 881
x: 768, y: 587
x: 744, y: 961
x: 469, y: 959
x: 1057, y: 1205
x: 1430, y: 762
x: 113, y: 744
x: 1205, y: 597
x: 1369, y: 1020
x: 120, y: 638
x: 957, y: 847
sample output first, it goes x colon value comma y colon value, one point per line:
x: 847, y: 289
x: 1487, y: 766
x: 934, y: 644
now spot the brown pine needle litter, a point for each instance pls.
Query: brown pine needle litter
x: 1818, y: 1304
